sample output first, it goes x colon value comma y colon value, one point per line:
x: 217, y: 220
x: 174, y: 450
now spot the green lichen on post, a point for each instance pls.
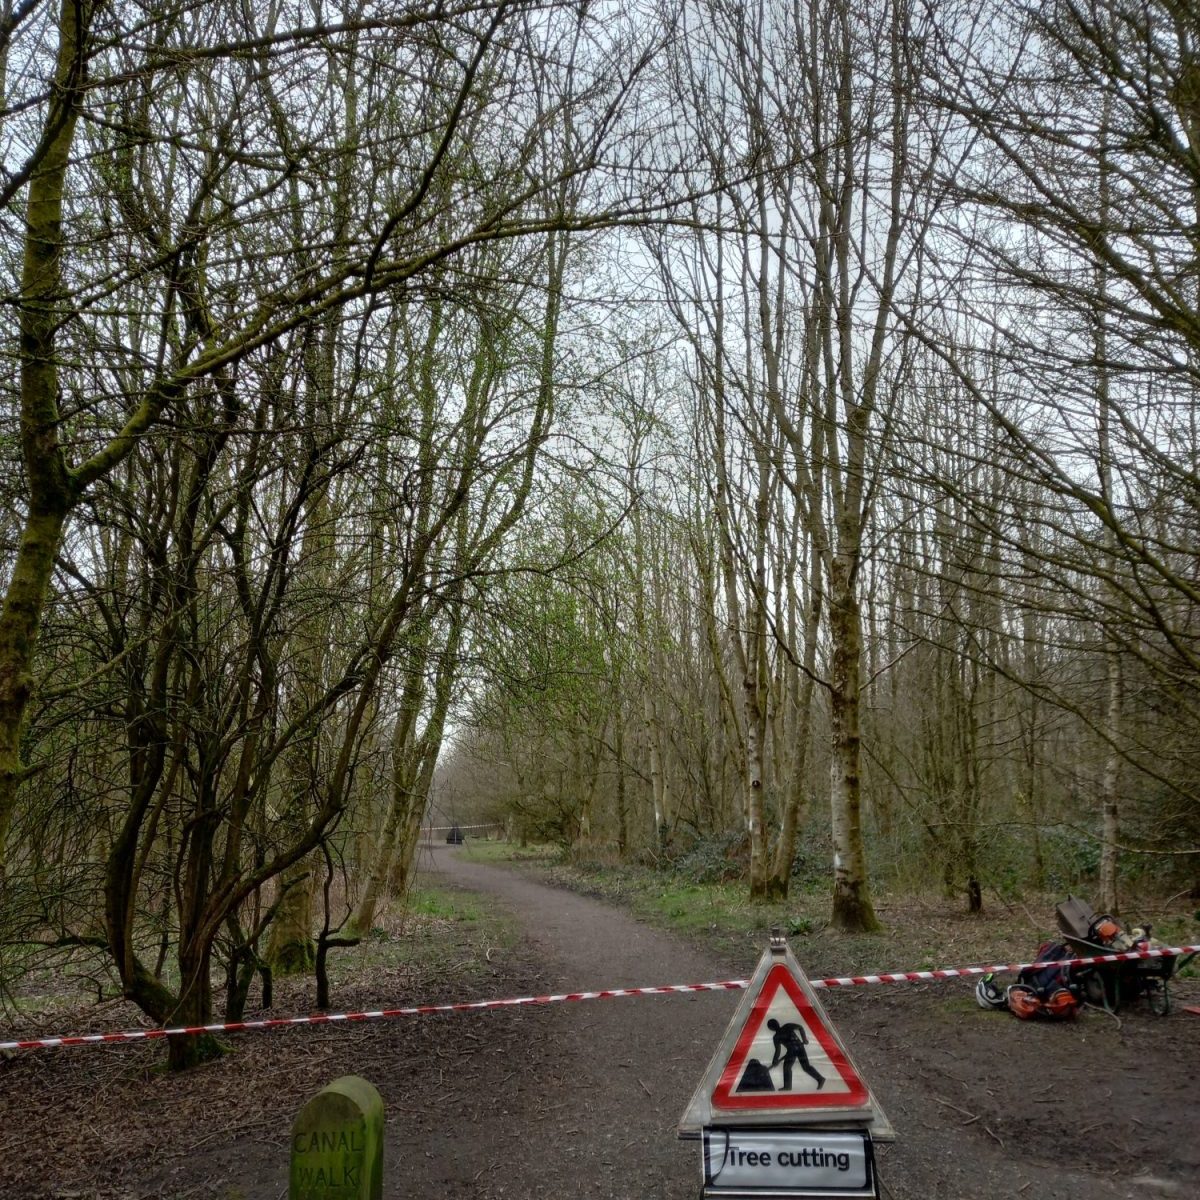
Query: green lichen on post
x: 337, y: 1144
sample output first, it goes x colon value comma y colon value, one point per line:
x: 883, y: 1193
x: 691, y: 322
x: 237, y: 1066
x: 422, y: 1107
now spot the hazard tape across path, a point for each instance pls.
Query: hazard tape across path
x: 422, y: 1010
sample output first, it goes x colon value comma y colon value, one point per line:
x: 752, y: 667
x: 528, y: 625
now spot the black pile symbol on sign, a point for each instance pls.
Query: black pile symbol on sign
x: 755, y: 1078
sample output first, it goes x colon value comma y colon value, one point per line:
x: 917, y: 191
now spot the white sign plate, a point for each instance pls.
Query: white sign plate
x: 786, y: 1162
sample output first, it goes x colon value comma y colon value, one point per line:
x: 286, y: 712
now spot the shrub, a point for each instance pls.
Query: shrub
x: 724, y: 858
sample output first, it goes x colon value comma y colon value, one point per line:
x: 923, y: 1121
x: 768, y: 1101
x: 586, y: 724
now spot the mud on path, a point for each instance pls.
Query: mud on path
x: 582, y: 1100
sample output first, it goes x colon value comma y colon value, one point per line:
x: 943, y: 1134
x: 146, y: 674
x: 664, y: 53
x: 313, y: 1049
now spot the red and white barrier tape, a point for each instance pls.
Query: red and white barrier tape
x: 966, y: 972
x: 728, y: 985
x: 447, y: 828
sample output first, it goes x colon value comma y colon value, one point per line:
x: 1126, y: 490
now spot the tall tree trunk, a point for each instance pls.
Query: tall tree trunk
x: 658, y: 782
x: 1110, y: 813
x: 194, y: 1007
x: 52, y: 488
x: 622, y: 808
x: 852, y: 907
x: 292, y: 949
x: 756, y: 727
x: 802, y: 700
x: 405, y: 766
x: 1110, y: 795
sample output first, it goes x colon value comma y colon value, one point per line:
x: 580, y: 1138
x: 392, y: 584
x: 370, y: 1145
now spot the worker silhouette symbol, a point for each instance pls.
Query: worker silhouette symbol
x: 790, y: 1041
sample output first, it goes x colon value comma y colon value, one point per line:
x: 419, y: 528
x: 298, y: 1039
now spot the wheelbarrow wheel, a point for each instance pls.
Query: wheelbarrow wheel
x: 1158, y: 998
x: 1102, y: 989
x: 1094, y: 991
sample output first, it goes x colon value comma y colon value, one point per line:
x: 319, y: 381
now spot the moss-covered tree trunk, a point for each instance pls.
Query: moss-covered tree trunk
x: 405, y: 764
x: 193, y: 1008
x: 52, y: 488
x: 414, y: 759
x: 291, y: 948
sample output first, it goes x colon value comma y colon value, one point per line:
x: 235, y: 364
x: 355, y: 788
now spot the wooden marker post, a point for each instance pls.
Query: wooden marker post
x: 337, y: 1144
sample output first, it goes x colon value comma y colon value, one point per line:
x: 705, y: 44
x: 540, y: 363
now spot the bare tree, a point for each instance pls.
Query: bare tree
x: 1073, y: 269
x: 819, y: 99
x: 194, y: 255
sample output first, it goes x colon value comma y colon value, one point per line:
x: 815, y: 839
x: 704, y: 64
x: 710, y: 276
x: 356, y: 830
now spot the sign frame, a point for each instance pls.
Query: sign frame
x: 727, y: 1098
x: 861, y: 1112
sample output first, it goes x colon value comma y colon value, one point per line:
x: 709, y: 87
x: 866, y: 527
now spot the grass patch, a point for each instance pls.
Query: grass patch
x: 442, y: 905
x: 722, y: 908
x: 955, y: 1004
x: 486, y: 851
x: 665, y: 898
x: 1182, y: 929
x: 430, y: 932
x: 431, y: 936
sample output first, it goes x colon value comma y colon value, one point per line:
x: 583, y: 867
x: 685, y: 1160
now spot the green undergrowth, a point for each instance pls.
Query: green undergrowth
x: 481, y: 850
x: 432, y: 939
x: 433, y: 903
x: 1180, y: 929
x: 920, y: 932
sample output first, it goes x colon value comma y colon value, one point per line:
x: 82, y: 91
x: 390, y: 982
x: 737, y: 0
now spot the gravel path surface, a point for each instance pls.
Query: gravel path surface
x: 598, y: 1088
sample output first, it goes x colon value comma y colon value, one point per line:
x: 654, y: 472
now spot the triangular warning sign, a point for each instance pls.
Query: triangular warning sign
x: 781, y: 1061
x: 786, y: 1057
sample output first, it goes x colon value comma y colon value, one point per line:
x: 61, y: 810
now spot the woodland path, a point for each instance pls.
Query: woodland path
x: 598, y: 1088
x: 581, y: 1100
x: 584, y: 1100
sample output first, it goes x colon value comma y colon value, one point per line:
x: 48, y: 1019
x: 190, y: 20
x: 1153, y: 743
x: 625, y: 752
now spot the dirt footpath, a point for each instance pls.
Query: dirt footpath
x: 582, y: 1100
x: 983, y: 1105
x: 592, y: 1091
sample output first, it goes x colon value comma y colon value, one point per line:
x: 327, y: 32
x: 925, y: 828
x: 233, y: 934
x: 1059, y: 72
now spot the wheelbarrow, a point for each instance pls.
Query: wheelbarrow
x: 1111, y: 985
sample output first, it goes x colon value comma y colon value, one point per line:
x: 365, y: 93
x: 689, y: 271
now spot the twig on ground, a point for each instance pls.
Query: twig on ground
x: 1166, y: 905
x: 239, y: 1127
x: 964, y: 1111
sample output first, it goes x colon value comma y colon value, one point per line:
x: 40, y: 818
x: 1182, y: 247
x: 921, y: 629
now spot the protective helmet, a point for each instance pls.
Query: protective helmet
x: 988, y: 995
x: 1104, y: 929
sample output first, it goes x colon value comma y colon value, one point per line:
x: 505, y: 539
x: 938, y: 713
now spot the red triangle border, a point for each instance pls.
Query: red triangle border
x: 725, y: 1097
